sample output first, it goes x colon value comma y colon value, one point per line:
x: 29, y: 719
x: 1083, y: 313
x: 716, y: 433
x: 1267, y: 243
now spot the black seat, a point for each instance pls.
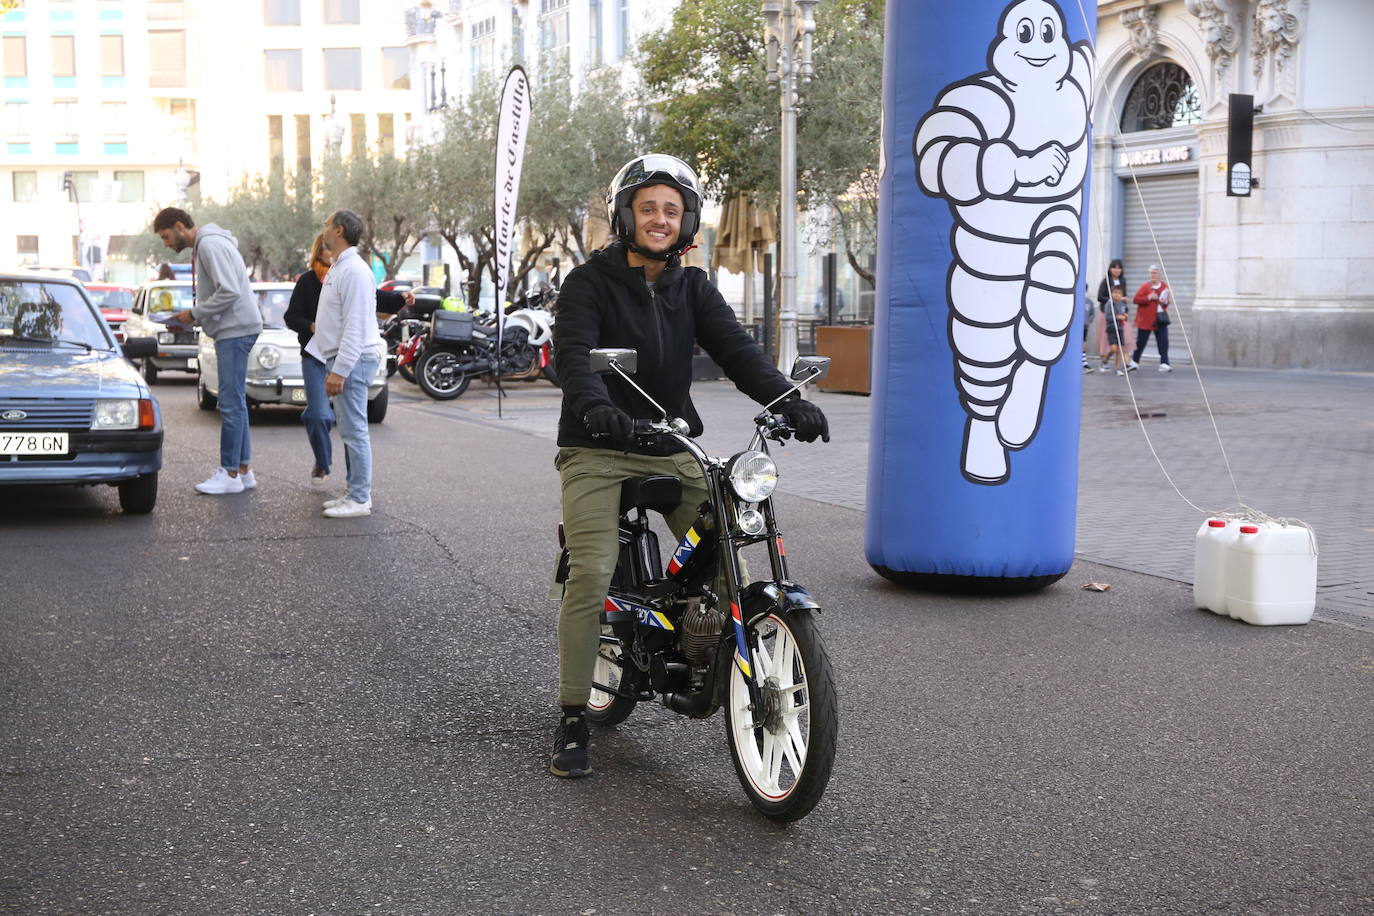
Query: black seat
x: 661, y: 492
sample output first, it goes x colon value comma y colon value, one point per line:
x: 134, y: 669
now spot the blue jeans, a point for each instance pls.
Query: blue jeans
x: 319, y: 414
x: 351, y: 408
x: 235, y: 443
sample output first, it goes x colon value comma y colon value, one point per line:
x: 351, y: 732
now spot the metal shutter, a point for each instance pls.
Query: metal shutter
x: 1172, y: 202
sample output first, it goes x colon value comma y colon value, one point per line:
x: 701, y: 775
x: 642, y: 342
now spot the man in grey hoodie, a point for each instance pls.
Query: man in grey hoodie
x: 227, y: 311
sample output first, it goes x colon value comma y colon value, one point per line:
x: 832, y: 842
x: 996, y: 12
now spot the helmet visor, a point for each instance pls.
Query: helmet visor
x: 646, y: 167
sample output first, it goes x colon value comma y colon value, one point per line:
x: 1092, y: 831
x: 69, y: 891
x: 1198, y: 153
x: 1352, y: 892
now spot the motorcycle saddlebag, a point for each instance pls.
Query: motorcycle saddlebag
x: 452, y: 325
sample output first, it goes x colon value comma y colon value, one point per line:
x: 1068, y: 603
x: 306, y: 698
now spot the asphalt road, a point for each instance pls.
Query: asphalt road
x: 235, y: 705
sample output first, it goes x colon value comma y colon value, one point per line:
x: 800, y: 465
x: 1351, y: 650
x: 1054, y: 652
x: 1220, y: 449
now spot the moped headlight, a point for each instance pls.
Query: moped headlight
x: 115, y: 413
x: 753, y: 476
x: 752, y: 522
x: 269, y: 357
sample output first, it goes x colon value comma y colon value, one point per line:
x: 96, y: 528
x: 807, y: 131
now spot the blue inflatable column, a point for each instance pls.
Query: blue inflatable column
x: 987, y: 142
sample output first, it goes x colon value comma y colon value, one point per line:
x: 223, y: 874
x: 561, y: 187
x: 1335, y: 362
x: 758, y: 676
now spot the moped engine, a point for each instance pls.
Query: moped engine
x: 701, y: 626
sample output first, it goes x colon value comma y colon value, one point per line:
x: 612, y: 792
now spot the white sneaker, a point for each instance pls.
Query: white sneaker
x: 220, y: 482
x: 1118, y: 372
x: 1132, y: 366
x: 1102, y: 368
x: 1165, y: 367
x: 317, y: 479
x: 249, y: 481
x: 336, y: 501
x: 349, y: 509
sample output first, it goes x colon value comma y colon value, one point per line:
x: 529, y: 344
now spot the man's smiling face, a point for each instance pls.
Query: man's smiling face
x: 658, y: 217
x: 1032, y: 47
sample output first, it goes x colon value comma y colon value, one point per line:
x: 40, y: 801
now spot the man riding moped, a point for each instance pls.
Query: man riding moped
x: 636, y: 294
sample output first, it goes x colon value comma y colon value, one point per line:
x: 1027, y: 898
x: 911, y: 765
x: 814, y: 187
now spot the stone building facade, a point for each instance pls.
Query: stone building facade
x: 1283, y: 278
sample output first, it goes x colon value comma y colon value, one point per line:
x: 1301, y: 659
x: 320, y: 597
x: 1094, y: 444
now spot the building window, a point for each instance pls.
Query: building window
x: 594, y: 33
x: 166, y: 58
x: 386, y: 134
x: 130, y: 187
x: 553, y: 34
x: 622, y: 28
x: 283, y: 70
x: 64, y: 120
x: 16, y: 57
x: 111, y: 55
x: 64, y: 55
x: 357, y: 125
x: 16, y: 119
x: 343, y: 68
x: 482, y: 47
x: 275, y: 154
x: 25, y: 187
x: 341, y: 12
x: 1164, y: 96
x: 281, y: 12
x: 302, y: 144
x: 395, y: 68
x: 84, y: 185
x: 26, y: 248
x: 166, y: 9
x: 183, y: 112
x: 114, y: 118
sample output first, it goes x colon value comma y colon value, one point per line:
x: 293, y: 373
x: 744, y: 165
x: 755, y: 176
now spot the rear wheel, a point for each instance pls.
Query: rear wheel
x: 138, y: 496
x: 606, y: 708
x: 407, y: 372
x: 204, y: 399
x: 149, y: 372
x: 784, y: 750
x: 442, y: 374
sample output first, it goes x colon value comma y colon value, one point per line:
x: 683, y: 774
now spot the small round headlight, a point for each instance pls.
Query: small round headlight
x: 269, y: 357
x: 752, y: 522
x: 753, y: 476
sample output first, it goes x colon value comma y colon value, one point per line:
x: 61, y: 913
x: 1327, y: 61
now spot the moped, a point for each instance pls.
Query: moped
x: 754, y: 649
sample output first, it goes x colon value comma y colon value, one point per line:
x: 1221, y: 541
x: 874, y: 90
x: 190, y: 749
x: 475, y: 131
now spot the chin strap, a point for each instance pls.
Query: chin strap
x: 654, y: 255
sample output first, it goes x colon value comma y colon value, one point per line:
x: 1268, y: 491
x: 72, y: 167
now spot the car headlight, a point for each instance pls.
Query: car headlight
x: 269, y: 357
x: 753, y: 476
x: 112, y: 413
x: 166, y: 337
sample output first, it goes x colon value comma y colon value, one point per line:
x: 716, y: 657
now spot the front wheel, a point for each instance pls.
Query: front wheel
x: 442, y: 375
x: 138, y: 496
x: 783, y: 751
x: 149, y: 372
x: 376, y: 407
x: 606, y: 708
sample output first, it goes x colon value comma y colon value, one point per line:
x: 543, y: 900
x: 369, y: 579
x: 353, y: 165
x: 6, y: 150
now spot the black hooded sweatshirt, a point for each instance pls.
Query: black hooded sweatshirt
x: 607, y: 303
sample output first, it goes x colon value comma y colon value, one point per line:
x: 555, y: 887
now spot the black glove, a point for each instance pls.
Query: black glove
x: 609, y: 423
x: 806, y: 420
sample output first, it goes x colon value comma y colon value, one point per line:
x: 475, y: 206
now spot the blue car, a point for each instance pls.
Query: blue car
x: 73, y: 410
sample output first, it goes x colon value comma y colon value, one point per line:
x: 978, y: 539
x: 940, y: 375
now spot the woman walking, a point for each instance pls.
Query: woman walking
x: 1111, y: 301
x: 1152, y: 302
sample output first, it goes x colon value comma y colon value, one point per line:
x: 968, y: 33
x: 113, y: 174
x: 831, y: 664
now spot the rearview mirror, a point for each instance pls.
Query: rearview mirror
x: 628, y: 360
x: 139, y: 347
x: 811, y: 368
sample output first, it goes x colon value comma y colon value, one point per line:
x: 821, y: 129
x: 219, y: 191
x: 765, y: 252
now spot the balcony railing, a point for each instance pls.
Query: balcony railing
x: 419, y: 22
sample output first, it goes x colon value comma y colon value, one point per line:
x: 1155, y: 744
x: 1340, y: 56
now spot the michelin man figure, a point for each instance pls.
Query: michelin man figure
x: 1008, y: 149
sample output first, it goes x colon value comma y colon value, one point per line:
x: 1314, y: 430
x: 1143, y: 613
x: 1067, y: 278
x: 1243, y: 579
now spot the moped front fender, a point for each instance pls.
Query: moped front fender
x: 767, y: 597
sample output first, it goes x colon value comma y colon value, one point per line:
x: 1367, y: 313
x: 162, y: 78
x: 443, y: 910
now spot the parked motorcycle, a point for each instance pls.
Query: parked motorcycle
x: 756, y: 651
x: 461, y: 346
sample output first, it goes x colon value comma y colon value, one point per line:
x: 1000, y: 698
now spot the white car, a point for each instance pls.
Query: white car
x: 154, y: 303
x: 274, y: 364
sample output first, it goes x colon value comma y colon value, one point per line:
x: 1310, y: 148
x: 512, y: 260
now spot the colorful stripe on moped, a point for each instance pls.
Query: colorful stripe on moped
x: 683, y: 553
x: 645, y: 615
x: 741, y: 646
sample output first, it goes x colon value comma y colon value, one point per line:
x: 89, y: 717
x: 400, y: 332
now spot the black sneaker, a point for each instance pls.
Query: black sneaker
x: 570, y: 749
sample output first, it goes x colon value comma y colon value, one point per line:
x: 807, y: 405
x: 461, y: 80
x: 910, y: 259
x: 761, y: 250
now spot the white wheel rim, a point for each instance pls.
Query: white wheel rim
x: 773, y: 760
x: 606, y: 671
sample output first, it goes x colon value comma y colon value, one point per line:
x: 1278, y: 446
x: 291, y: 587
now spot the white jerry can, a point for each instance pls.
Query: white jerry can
x: 1271, y: 574
x: 1209, y: 563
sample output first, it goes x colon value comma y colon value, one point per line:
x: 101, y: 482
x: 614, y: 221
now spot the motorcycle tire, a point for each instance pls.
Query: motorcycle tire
x: 604, y: 708
x: 441, y: 376
x: 407, y: 372
x: 783, y: 758
x: 551, y: 375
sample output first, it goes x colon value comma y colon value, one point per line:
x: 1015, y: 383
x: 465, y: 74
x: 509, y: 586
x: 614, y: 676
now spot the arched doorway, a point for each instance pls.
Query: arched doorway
x: 1159, y: 177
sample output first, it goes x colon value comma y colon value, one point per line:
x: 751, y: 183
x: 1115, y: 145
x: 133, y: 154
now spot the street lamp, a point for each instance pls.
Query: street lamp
x: 787, y: 31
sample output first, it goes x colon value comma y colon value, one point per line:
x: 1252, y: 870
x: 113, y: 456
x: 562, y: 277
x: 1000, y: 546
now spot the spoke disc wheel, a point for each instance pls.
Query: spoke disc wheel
x: 783, y: 750
x: 606, y: 708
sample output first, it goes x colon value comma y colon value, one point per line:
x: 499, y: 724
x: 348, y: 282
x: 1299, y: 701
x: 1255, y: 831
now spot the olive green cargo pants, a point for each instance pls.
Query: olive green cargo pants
x: 591, y: 479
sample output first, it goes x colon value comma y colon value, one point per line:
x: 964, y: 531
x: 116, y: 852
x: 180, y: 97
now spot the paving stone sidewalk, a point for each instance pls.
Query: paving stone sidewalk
x: 1300, y: 445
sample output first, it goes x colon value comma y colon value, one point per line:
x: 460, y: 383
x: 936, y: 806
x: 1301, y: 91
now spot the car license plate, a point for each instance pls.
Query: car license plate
x: 193, y: 364
x: 33, y: 443
x: 298, y: 395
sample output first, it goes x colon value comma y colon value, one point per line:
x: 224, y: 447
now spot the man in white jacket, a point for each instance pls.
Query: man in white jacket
x: 348, y: 343
x: 227, y: 312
